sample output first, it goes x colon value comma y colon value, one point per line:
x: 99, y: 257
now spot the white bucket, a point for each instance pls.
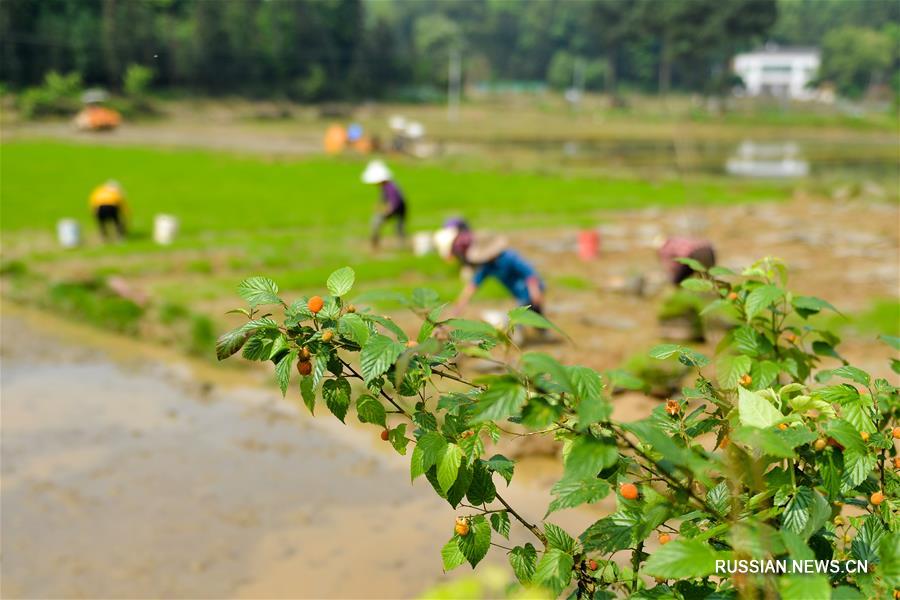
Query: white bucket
x: 164, y: 229
x: 422, y: 243
x: 495, y: 318
x: 68, y: 232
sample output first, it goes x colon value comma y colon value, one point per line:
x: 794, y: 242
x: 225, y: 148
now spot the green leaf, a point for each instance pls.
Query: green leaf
x: 500, y: 523
x: 684, y: 559
x: 719, y: 498
x: 664, y: 351
x: 869, y: 536
x: 615, y: 532
x: 571, y: 493
x: 720, y: 271
x: 523, y: 560
x: 502, y: 466
x: 378, y: 355
x: 230, y: 342
x: 370, y: 410
x: 448, y: 466
x: 804, y: 587
x: 476, y: 543
x: 764, y: 374
x: 398, y: 439
x: 730, y: 369
x: 588, y: 456
x: 694, y: 264
x: 503, y: 399
x: 451, y: 555
x: 558, y: 538
x: 694, y: 284
x: 853, y: 374
x: 756, y: 411
x: 336, y: 393
x: 889, y: 552
x: 890, y: 340
x: 857, y: 466
x: 308, y: 392
x: 353, y: 327
x: 554, y: 570
x: 536, y: 363
x: 432, y: 446
x: 481, y: 489
x: 341, y: 281
x: 760, y: 299
x: 387, y: 324
x: 805, y: 513
x: 283, y: 370
x: 259, y: 290
x: 523, y: 315
x: 810, y: 305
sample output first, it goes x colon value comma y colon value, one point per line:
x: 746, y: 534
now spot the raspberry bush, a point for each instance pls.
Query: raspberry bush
x: 787, y: 451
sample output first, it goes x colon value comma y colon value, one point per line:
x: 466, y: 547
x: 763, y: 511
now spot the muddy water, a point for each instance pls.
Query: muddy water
x: 124, y: 477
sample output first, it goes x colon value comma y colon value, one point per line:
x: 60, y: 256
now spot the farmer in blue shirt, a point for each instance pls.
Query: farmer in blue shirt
x: 490, y: 258
x: 393, y: 203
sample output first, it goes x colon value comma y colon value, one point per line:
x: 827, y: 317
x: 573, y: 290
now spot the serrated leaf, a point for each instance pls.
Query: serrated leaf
x: 432, y: 445
x: 730, y: 369
x: 760, y: 299
x: 523, y: 560
x: 353, y: 327
x: 571, y: 493
x: 853, y: 374
x: 803, y: 587
x: 230, y: 342
x: 336, y: 394
x: 308, y: 393
x: 610, y: 534
x: 283, y: 370
x: 694, y: 284
x: 502, y: 466
x: 764, y: 373
x: 588, y: 456
x: 377, y: 356
x: 448, y: 466
x: 554, y: 569
x: 756, y: 411
x: 481, y: 489
x: 475, y: 544
x: 557, y: 537
x: 857, y: 466
x: 370, y: 410
x: 341, y: 281
x: 684, y: 559
x: 501, y: 400
x: 451, y: 555
x: 810, y: 305
x: 259, y: 290
x: 796, y: 513
x: 500, y: 523
x: 523, y: 315
x: 398, y: 439
x: 719, y: 498
x: 664, y: 351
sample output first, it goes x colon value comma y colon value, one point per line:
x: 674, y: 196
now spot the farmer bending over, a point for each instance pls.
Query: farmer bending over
x: 671, y: 249
x: 394, y: 206
x: 489, y: 258
x: 108, y: 205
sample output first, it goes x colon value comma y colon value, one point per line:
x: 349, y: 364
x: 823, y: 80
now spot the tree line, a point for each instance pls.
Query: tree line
x: 313, y: 50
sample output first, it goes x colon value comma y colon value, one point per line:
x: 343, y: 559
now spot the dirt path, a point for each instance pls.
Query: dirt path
x: 127, y: 475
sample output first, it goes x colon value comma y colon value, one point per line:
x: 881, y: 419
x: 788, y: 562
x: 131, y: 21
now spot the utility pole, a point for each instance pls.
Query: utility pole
x: 454, y: 83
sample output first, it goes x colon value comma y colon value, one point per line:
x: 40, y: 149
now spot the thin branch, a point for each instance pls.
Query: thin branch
x: 454, y: 378
x: 532, y: 528
x: 383, y: 394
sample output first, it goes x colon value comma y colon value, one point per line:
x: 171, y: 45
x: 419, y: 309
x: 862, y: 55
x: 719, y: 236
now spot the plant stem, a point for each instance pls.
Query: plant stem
x: 532, y: 528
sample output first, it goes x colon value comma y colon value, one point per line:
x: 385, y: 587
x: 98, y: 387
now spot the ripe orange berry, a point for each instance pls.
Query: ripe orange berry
x: 897, y: 462
x: 461, y: 527
x: 733, y: 296
x: 629, y: 491
x: 746, y: 380
x: 820, y: 445
x: 385, y: 434
x: 672, y: 407
x: 896, y: 433
x: 304, y: 354
x: 327, y: 335
x: 782, y: 426
x: 304, y: 367
x: 315, y: 304
x: 791, y: 337
x: 864, y: 435
x: 724, y: 443
x: 664, y: 538
x: 876, y: 498
x: 411, y: 343
x: 592, y: 565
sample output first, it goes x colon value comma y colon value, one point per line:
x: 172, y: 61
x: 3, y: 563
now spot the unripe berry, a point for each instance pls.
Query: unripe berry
x: 876, y: 498
x: 664, y: 538
x: 629, y: 491
x: 304, y: 354
x: 746, y: 380
x: 672, y: 407
x: 839, y: 521
x: 351, y: 308
x: 462, y: 527
x: 304, y: 367
x: 864, y: 435
x: 791, y: 337
x: 782, y: 426
x: 327, y: 335
x: 315, y: 304
x: 385, y: 434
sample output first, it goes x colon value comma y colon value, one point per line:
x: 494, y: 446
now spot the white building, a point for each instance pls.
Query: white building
x: 779, y: 72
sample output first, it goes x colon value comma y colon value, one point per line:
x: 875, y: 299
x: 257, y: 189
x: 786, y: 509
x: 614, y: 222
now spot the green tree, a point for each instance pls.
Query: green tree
x: 854, y: 58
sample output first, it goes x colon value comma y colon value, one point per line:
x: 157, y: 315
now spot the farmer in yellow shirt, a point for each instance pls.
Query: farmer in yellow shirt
x: 108, y: 205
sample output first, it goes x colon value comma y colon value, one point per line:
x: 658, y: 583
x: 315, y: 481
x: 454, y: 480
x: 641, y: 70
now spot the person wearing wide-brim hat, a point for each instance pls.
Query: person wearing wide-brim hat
x: 394, y: 204
x: 489, y: 256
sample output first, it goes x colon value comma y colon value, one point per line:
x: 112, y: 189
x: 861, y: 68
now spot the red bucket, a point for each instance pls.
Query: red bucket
x: 588, y: 244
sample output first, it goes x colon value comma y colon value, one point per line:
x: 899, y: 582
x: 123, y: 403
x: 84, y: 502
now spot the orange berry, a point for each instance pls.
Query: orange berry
x: 733, y: 296
x: 746, y: 380
x: 791, y: 337
x: 315, y: 304
x: 462, y: 527
x: 820, y: 445
x: 897, y: 462
x: 864, y: 435
x: 351, y: 308
x: 327, y: 335
x: 411, y: 343
x: 673, y: 407
x: 896, y: 433
x: 782, y: 426
x: 876, y: 498
x: 724, y: 443
x: 629, y: 491
x: 304, y: 367
x: 592, y: 565
x: 664, y: 538
x: 385, y: 434
x: 304, y: 354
